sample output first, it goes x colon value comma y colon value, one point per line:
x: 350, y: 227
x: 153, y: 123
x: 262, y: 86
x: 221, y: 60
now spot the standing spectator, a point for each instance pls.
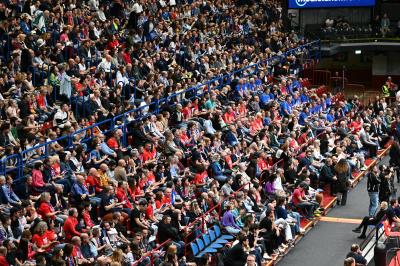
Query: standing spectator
x: 385, y: 25
x: 342, y: 170
x: 373, y: 184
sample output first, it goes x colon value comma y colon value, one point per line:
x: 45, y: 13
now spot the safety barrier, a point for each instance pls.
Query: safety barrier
x: 312, y: 49
x: 321, y: 77
x: 151, y: 254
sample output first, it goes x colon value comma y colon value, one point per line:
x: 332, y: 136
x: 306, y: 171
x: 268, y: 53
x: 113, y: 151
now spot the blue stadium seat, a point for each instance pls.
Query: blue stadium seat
x: 196, y: 251
x: 214, y: 238
x: 208, y: 243
x: 218, y: 234
x: 203, y: 248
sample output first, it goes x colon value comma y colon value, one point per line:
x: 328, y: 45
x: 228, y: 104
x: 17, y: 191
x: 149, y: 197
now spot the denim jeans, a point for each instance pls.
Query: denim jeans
x: 232, y: 230
x: 295, y: 216
x: 373, y: 203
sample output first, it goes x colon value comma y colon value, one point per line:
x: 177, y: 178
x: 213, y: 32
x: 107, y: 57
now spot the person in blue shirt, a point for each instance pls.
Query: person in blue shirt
x: 95, y: 157
x: 79, y: 189
x: 231, y: 138
x: 265, y: 97
x: 304, y: 116
x: 328, y: 101
x: 9, y: 196
x: 267, y: 119
x: 296, y: 99
x: 258, y: 83
x: 304, y: 98
x: 330, y: 117
x: 217, y: 170
x: 286, y: 106
x: 251, y: 85
x: 241, y: 88
x: 315, y: 108
x: 24, y: 24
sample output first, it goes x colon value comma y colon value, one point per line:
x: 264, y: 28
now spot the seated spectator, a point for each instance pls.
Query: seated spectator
x: 7, y: 192
x: 302, y: 202
x: 228, y: 221
x: 356, y: 253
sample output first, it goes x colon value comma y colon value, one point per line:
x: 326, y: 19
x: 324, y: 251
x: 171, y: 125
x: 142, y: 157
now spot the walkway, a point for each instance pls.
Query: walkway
x: 330, y: 240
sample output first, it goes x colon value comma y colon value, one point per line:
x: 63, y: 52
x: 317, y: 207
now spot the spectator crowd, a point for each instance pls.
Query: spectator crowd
x: 261, y: 149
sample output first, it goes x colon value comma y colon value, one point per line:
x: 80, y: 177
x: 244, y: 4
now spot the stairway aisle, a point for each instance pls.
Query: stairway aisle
x: 330, y: 240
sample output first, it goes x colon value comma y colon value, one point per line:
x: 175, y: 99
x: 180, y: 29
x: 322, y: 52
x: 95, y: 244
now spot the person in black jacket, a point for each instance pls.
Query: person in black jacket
x: 167, y: 231
x: 371, y: 220
x: 327, y: 175
x: 385, y: 188
x: 355, y: 252
x: 342, y: 170
x: 373, y: 184
x: 236, y: 255
x: 394, y: 161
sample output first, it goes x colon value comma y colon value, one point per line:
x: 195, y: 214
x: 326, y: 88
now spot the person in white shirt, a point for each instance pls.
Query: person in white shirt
x: 278, y: 180
x: 122, y: 79
x: 61, y: 118
x: 137, y: 8
x: 105, y: 64
x: 208, y: 126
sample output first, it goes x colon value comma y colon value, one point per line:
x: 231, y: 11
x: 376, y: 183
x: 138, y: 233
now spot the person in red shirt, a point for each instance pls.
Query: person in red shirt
x: 229, y: 116
x: 41, y: 238
x: 303, y: 139
x: 113, y: 43
x: 70, y: 224
x: 126, y: 55
x: 150, y: 207
x: 93, y: 182
x: 356, y: 125
x: 123, y: 194
x: 261, y: 162
x: 242, y: 109
x: 3, y: 254
x: 86, y: 215
x: 201, y: 177
x: 187, y: 111
x: 41, y: 100
x: 167, y: 199
x: 301, y: 201
x: 46, y: 210
x: 149, y: 153
x: 115, y: 143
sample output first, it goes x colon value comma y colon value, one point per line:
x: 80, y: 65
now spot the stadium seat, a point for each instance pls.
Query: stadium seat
x: 208, y: 243
x: 219, y: 235
x: 196, y: 251
x: 214, y: 239
x: 203, y: 248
